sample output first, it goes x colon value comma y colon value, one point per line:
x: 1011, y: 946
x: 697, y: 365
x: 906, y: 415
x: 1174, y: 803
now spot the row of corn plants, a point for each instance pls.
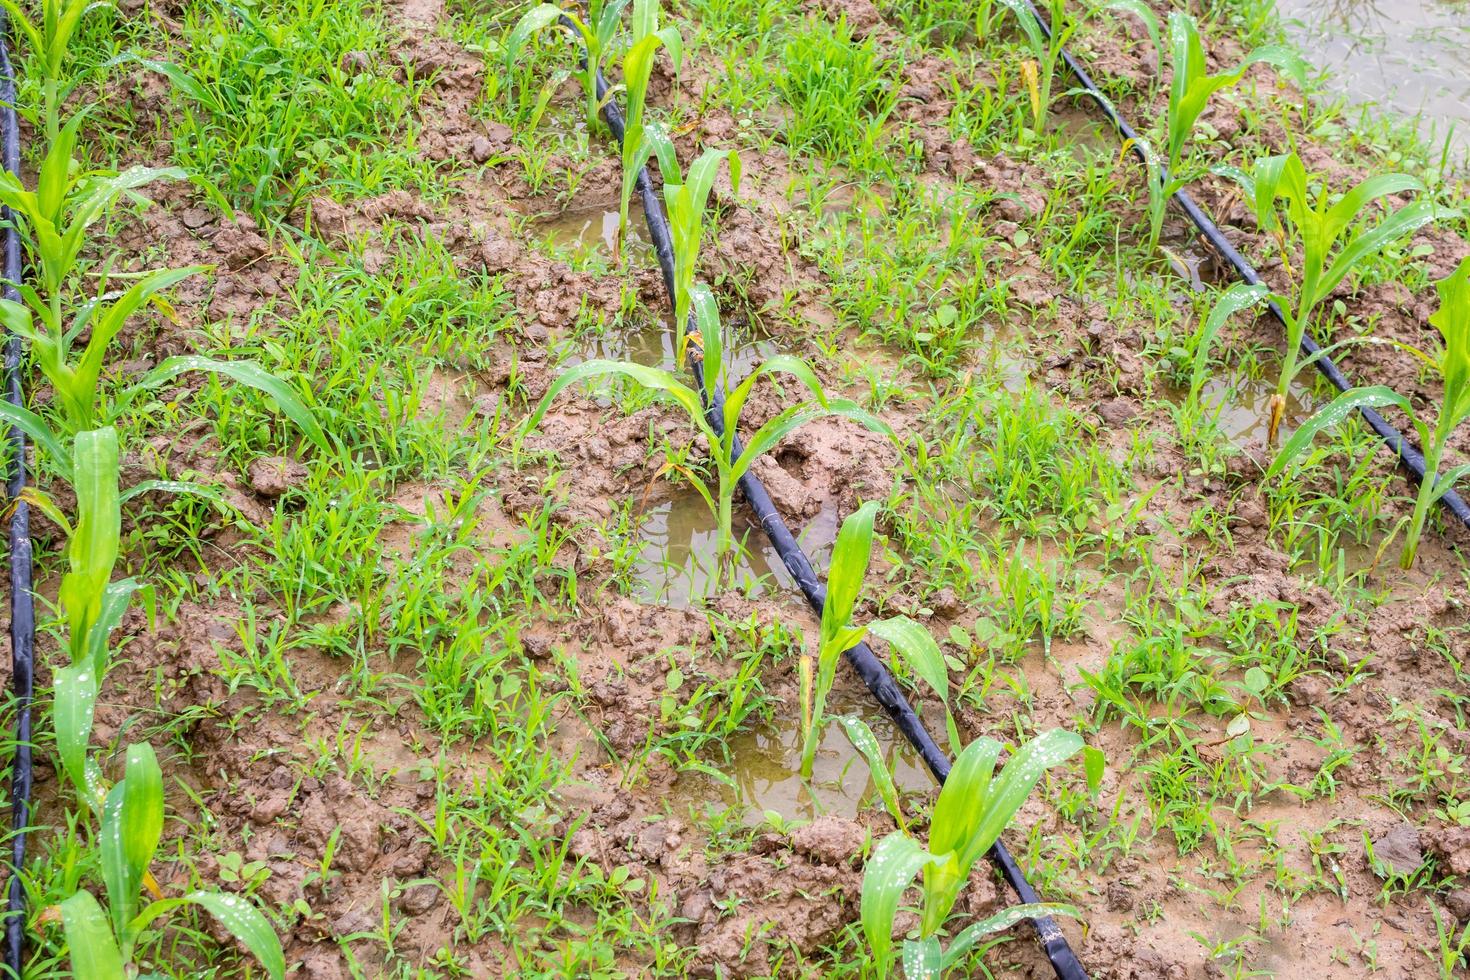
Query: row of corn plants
x: 1324, y: 236
x: 70, y: 314
x: 977, y: 801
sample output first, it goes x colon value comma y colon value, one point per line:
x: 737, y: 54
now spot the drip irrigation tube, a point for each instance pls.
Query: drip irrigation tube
x: 22, y: 600
x: 1410, y: 457
x: 861, y: 657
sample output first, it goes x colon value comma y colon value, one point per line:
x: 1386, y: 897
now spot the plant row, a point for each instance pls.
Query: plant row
x: 70, y: 313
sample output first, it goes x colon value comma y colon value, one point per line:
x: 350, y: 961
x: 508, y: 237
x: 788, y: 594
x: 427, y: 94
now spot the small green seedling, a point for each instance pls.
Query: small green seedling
x: 1452, y: 364
x: 728, y: 467
x: 102, y: 944
x: 642, y: 140
x: 49, y: 40
x: 1189, y: 92
x: 1319, y: 225
x: 849, y: 568
x: 687, y: 197
x: 596, y: 32
x: 1046, y: 45
x: 974, y: 807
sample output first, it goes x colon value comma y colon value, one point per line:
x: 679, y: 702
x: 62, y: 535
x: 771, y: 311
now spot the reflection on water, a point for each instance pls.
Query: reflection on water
x: 651, y: 343
x: 1244, y: 406
x: 586, y: 232
x: 1410, y: 56
x: 676, y: 565
x: 764, y: 769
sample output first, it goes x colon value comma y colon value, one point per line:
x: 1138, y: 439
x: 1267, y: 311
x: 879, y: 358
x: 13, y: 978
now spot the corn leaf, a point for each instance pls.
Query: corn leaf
x: 251, y: 375
x: 657, y: 381
x: 863, y: 739
x: 41, y: 434
x: 246, y: 923
x: 142, y: 812
x: 1238, y: 297
x: 1345, y: 404
x: 793, y: 418
x: 89, y: 939
x: 890, y: 871
x: 1402, y: 222
x: 961, y: 945
x: 534, y: 20
x: 74, y: 694
x: 1009, y: 790
x: 922, y: 959
x: 850, y: 556
x: 917, y: 648
x: 964, y: 798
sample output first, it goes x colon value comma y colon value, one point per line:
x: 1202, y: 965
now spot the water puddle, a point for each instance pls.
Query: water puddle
x: 651, y: 343
x: 1244, y: 407
x: 764, y: 771
x: 1406, y: 56
x: 1081, y: 131
x: 676, y: 565
x: 582, y: 234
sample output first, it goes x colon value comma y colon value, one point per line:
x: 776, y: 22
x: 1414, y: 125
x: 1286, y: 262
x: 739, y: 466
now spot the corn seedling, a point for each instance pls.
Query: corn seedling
x: 642, y: 140
x: 728, y: 467
x: 92, y: 605
x: 1319, y: 225
x: 973, y: 808
x: 56, y: 218
x: 1046, y: 47
x: 1038, y: 71
x: 1452, y: 364
x: 102, y: 944
x: 686, y: 198
x: 1189, y: 92
x: 849, y: 568
x: 596, y: 32
x: 49, y: 39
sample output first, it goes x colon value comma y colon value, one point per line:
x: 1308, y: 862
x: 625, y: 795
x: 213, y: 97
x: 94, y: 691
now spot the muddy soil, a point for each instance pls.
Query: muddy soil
x: 741, y: 911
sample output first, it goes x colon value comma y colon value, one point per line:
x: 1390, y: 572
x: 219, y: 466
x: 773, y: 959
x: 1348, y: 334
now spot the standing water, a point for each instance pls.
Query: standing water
x: 1409, y: 57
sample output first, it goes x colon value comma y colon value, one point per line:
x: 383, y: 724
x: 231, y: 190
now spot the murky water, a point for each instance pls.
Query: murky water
x: 583, y: 233
x: 1244, y: 406
x: 1406, y: 56
x: 651, y: 343
x: 677, y: 566
x: 764, y: 769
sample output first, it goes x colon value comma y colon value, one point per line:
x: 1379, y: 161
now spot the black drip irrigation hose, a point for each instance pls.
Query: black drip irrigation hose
x: 861, y: 657
x: 22, y: 599
x: 1410, y: 457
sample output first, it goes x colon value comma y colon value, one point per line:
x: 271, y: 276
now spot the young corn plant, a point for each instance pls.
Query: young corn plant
x: 92, y: 605
x: 1334, y: 240
x: 103, y: 944
x: 686, y: 198
x: 974, y: 807
x: 1190, y: 90
x: 56, y: 218
x: 641, y: 139
x: 850, y: 557
x: 1452, y: 364
x: 49, y: 38
x: 719, y: 429
x: 1045, y: 48
x: 1046, y: 44
x: 596, y: 31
